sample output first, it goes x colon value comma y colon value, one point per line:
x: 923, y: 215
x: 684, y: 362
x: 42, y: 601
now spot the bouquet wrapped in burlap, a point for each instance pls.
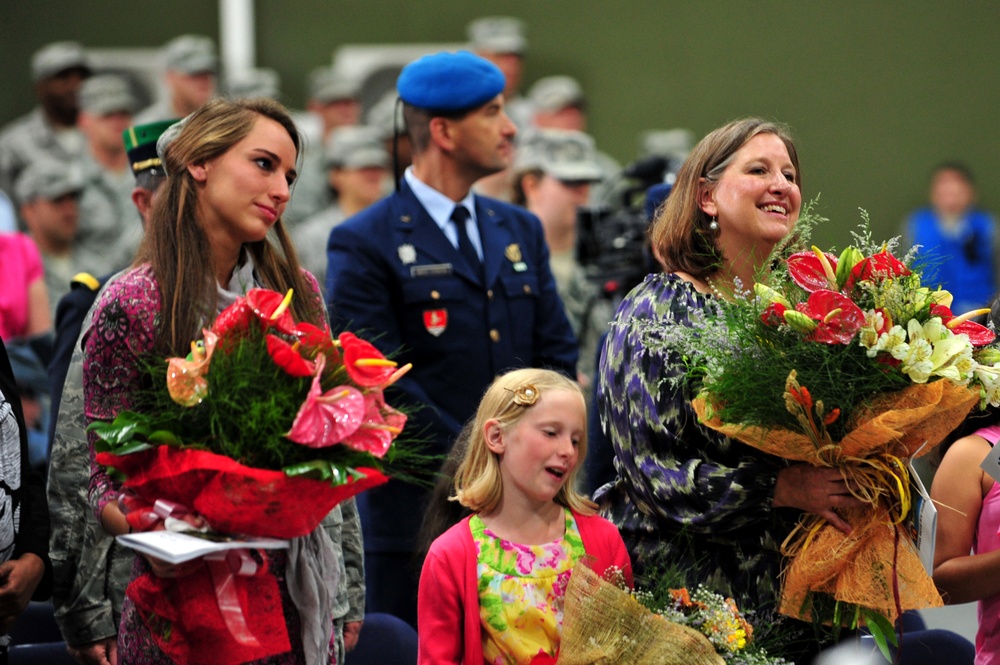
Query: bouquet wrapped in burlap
x: 607, y: 624
x: 852, y: 568
x: 845, y: 362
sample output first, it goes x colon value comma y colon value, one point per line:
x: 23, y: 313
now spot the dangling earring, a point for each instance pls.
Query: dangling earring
x: 713, y: 225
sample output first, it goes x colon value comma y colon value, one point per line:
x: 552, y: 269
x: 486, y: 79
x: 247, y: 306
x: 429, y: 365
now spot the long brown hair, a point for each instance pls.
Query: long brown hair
x: 176, y: 247
x: 680, y: 234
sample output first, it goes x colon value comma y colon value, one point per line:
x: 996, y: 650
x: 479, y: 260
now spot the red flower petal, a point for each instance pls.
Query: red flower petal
x: 382, y: 425
x: 287, y: 358
x: 358, y: 349
x: 256, y: 305
x: 315, y: 340
x: 774, y: 315
x: 833, y: 328
x: 806, y: 270
x: 877, y: 267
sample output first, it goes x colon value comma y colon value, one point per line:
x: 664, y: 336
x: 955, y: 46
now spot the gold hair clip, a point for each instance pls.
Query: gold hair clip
x: 526, y: 395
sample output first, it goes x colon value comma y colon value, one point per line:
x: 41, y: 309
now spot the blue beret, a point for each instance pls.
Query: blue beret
x: 450, y: 82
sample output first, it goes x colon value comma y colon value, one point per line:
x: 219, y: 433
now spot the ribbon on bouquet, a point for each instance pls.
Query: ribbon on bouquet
x: 224, y: 567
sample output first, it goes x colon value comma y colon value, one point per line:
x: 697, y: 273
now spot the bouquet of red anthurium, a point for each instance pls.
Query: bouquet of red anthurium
x: 850, y: 362
x: 261, y: 430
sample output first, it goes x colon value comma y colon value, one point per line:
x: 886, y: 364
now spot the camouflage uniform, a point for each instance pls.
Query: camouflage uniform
x: 29, y: 138
x: 343, y: 525
x: 110, y: 227
x: 90, y: 569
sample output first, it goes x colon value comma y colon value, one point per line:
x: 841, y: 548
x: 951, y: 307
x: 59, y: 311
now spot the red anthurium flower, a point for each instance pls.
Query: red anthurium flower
x: 365, y: 364
x: 807, y: 270
x: 877, y: 267
x: 268, y: 307
x: 838, y: 318
x: 979, y: 335
x: 381, y: 425
x: 316, y: 340
x: 287, y: 357
x: 774, y: 315
x: 325, y: 419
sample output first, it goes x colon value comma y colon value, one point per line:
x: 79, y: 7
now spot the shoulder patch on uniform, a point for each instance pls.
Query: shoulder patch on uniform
x: 86, y: 279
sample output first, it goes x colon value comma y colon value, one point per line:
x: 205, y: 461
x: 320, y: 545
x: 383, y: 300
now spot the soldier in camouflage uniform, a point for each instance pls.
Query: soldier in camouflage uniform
x: 91, y: 570
x: 553, y: 173
x: 49, y: 131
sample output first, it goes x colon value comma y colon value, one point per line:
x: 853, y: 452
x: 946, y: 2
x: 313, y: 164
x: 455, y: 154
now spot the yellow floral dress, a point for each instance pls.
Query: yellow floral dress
x: 521, y: 590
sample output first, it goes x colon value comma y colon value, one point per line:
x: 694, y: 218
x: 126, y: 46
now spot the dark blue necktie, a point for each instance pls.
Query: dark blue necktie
x: 459, y: 216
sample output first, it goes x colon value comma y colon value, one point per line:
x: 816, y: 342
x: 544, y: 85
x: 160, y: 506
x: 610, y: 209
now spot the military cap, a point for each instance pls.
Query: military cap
x: 326, y: 85
x: 356, y: 147
x: 673, y: 144
x: 58, y: 57
x: 386, y: 115
x: 553, y: 93
x: 106, y: 93
x: 260, y: 82
x: 566, y: 155
x: 497, y: 34
x: 140, y: 143
x: 48, y: 179
x: 450, y: 82
x: 190, y: 54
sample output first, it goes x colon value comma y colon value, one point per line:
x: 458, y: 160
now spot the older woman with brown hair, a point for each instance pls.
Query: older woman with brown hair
x: 686, y: 498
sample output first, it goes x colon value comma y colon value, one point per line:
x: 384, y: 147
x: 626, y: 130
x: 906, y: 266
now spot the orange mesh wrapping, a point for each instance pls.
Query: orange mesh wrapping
x: 877, y: 565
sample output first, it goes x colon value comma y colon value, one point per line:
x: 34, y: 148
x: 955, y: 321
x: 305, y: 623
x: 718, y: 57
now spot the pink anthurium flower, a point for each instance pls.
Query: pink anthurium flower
x: 365, y: 364
x: 813, y: 271
x: 381, y: 426
x: 186, y: 380
x: 287, y: 357
x: 325, y: 419
x: 979, y: 335
x: 837, y: 318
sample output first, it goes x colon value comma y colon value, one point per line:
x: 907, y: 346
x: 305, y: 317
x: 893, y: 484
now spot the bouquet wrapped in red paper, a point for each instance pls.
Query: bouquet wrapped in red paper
x: 261, y: 431
x: 849, y: 362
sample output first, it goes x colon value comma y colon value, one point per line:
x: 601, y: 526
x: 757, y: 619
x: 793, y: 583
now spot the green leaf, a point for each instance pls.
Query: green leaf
x: 882, y: 631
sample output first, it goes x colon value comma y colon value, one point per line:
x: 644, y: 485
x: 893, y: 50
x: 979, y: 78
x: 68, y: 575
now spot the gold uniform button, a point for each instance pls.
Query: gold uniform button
x: 435, y: 295
x: 495, y: 335
x: 489, y: 294
x: 527, y: 288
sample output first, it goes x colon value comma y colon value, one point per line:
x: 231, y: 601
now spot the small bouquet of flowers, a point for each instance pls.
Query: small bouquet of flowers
x: 850, y: 362
x: 261, y: 430
x: 604, y: 622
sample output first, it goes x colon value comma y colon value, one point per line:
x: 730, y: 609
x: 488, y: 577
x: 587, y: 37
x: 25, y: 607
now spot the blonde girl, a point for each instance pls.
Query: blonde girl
x: 492, y: 586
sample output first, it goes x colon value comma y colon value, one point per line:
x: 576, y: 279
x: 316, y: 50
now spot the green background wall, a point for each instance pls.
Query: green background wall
x: 875, y: 92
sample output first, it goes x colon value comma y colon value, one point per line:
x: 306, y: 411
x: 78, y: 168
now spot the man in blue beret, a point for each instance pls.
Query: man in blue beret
x: 457, y: 284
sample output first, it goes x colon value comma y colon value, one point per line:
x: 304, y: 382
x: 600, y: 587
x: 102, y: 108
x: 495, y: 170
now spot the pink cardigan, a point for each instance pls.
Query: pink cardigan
x: 448, y: 623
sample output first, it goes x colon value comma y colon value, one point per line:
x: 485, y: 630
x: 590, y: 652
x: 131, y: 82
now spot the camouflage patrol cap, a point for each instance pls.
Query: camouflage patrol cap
x: 106, y: 93
x: 553, y: 93
x: 257, y: 82
x: 190, y: 54
x: 497, y: 34
x: 327, y: 85
x: 58, y: 57
x: 48, y: 179
x: 566, y: 155
x: 356, y: 147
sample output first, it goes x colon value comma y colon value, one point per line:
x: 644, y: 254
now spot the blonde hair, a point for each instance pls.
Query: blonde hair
x: 478, y: 484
